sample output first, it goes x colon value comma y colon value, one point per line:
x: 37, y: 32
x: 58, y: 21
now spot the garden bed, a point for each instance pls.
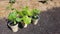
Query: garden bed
x: 49, y: 22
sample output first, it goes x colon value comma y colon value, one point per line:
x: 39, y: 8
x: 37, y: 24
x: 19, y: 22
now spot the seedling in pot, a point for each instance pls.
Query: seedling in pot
x: 26, y: 20
x: 30, y: 13
x: 13, y: 24
x: 35, y: 16
x: 24, y: 13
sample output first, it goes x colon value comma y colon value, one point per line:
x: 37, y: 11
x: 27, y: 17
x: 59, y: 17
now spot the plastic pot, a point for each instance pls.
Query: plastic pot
x: 14, y: 28
x: 35, y: 21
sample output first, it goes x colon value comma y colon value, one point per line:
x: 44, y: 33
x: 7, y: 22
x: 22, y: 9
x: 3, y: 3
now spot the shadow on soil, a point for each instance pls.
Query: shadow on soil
x: 49, y: 23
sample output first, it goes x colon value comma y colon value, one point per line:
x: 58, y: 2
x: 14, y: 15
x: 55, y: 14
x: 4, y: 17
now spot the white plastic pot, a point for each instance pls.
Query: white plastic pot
x: 14, y: 28
x: 35, y: 21
x: 25, y: 25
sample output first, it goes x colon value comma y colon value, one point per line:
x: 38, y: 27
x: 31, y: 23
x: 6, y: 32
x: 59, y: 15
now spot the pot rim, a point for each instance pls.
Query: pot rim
x: 37, y: 18
x: 11, y: 25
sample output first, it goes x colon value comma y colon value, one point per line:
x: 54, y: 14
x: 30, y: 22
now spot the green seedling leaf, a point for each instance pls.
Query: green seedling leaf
x: 26, y: 20
x: 27, y: 11
x: 21, y: 13
x: 35, y: 11
x: 18, y: 19
x: 12, y: 16
x: 24, y: 10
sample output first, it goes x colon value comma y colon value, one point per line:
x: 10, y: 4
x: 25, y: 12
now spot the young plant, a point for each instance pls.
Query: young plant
x: 26, y: 20
x: 27, y: 15
x: 35, y: 12
x: 25, y: 11
x: 14, y: 20
x: 28, y: 12
x: 13, y: 17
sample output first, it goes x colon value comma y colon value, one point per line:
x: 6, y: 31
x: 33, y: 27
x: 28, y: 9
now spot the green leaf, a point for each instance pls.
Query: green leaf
x: 26, y: 20
x: 24, y: 10
x: 21, y: 13
x: 18, y: 19
x: 27, y: 11
x: 35, y: 11
x: 12, y: 16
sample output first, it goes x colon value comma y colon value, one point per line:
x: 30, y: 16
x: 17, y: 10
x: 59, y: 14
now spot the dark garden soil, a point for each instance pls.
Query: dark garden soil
x: 49, y: 22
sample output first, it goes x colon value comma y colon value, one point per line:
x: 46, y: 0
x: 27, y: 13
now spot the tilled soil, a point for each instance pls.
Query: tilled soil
x: 49, y: 22
x: 31, y: 3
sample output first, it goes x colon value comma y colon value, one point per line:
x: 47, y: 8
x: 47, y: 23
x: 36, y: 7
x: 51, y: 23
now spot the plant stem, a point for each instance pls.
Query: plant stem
x: 14, y: 22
